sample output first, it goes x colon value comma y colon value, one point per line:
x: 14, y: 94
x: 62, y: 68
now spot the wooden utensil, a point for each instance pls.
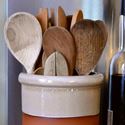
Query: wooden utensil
x: 23, y: 36
x: 56, y: 65
x: 59, y: 39
x: 77, y: 16
x: 43, y: 18
x: 39, y: 71
x: 44, y: 58
x: 90, y: 41
x: 61, y: 18
x: 49, y: 68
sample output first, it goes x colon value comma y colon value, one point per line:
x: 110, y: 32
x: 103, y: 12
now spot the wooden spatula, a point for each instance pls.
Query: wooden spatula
x: 43, y: 18
x: 56, y: 65
x: 61, y: 18
x: 77, y: 16
x: 90, y: 38
x: 59, y: 39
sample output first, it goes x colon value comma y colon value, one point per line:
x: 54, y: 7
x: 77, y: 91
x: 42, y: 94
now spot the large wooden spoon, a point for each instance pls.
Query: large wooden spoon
x: 59, y: 39
x: 23, y: 36
x: 90, y: 38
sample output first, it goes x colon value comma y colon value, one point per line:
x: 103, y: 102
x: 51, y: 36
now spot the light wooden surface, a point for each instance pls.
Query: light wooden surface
x: 77, y: 16
x: 43, y: 18
x: 61, y: 65
x: 49, y: 68
x: 59, y: 39
x: 90, y: 41
x: 23, y: 36
x: 56, y: 65
x: 44, y: 57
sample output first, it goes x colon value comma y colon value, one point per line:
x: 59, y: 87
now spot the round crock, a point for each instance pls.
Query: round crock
x: 61, y: 96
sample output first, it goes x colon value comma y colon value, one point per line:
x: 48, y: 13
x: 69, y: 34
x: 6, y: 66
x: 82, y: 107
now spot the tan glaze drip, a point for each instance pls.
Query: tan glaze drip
x: 59, y: 39
x: 90, y: 38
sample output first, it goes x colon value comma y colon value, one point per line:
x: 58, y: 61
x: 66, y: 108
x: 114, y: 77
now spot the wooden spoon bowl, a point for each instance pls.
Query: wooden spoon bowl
x: 23, y: 36
x: 59, y: 39
x: 90, y: 38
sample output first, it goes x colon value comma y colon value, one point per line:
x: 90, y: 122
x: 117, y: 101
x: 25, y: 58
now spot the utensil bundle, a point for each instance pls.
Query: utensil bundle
x: 59, y: 45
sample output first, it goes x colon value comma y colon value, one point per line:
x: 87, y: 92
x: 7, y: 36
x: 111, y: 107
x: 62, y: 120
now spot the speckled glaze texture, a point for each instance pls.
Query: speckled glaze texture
x: 61, y: 96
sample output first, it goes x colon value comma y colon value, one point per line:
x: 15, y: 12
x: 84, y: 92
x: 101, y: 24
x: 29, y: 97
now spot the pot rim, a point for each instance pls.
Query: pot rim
x: 61, y: 81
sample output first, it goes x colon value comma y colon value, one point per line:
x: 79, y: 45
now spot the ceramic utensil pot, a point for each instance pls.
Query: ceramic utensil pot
x: 60, y: 100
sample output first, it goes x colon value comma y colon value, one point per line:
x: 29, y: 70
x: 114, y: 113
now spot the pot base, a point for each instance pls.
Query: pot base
x: 32, y: 120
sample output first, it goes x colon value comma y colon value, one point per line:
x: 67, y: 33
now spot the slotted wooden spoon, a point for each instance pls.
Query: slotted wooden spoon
x: 90, y: 38
x: 59, y: 39
x: 56, y: 65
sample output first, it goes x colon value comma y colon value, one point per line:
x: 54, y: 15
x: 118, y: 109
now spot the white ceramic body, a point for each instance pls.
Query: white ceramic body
x: 61, y: 96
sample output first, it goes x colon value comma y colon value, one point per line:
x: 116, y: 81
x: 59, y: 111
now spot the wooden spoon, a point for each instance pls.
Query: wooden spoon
x: 61, y: 18
x: 43, y: 18
x: 59, y: 39
x: 90, y: 38
x: 23, y: 36
x: 77, y: 16
x: 56, y: 65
